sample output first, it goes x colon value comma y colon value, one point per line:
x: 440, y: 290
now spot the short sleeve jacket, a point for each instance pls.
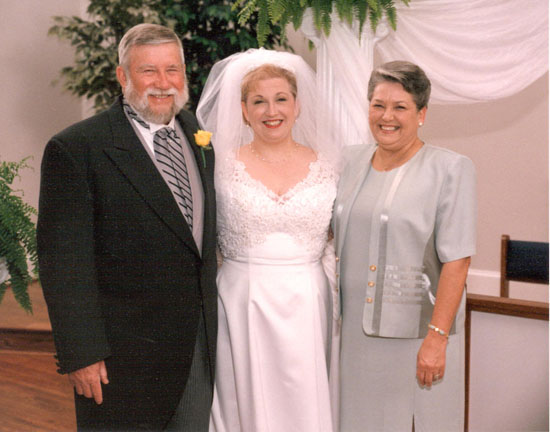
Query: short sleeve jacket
x: 424, y: 216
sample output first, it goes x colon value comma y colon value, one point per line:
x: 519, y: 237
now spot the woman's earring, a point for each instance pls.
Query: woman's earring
x: 420, y: 124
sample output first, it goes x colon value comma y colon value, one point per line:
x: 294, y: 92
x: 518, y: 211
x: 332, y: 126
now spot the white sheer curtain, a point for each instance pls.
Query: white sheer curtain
x: 472, y: 51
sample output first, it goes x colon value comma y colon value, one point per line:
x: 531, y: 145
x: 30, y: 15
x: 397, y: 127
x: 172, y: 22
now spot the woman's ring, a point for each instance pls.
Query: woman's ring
x: 436, y: 377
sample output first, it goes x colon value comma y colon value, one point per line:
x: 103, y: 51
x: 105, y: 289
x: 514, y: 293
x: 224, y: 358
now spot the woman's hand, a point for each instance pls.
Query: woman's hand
x: 430, y: 363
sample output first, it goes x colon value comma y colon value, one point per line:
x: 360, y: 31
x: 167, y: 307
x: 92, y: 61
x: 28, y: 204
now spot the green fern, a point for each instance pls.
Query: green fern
x: 263, y: 22
x: 296, y: 15
x: 282, y: 12
x: 249, y: 7
x: 374, y: 17
x: 373, y: 4
x: 346, y: 10
x: 17, y: 235
x: 360, y: 9
x: 277, y: 9
x: 389, y: 8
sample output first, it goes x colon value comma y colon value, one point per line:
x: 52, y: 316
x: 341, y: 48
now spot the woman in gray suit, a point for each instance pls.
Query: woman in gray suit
x: 405, y: 230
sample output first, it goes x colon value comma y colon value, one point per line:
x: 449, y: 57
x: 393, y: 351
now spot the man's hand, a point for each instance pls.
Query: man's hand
x: 87, y: 381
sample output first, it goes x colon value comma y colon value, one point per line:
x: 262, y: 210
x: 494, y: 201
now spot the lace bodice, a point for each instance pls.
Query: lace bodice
x: 248, y: 211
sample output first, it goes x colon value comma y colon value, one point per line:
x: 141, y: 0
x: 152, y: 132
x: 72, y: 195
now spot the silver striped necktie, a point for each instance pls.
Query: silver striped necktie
x: 169, y: 155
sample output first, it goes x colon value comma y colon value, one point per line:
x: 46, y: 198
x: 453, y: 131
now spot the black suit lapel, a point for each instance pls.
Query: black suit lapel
x: 135, y: 163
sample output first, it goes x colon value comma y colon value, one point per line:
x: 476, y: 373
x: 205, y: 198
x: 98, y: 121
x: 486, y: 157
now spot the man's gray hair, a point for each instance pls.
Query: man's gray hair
x: 146, y: 34
x: 410, y: 76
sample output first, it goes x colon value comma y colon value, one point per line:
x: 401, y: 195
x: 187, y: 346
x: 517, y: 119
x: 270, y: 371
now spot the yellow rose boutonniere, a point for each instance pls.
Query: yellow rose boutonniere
x: 202, y: 139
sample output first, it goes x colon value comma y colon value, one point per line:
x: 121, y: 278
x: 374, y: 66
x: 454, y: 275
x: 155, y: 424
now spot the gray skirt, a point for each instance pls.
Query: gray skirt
x: 379, y: 391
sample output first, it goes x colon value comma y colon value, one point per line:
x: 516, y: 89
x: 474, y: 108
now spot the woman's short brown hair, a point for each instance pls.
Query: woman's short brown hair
x: 410, y: 76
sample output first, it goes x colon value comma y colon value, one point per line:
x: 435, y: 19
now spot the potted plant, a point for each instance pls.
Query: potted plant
x: 17, y: 237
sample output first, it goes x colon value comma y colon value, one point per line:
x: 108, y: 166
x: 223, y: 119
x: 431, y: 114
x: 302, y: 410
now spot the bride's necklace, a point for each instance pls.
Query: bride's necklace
x: 274, y: 161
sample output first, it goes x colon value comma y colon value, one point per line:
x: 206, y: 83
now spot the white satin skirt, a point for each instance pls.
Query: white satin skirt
x: 274, y: 322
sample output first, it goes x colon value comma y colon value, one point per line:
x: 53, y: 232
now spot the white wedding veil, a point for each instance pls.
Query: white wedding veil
x: 219, y: 110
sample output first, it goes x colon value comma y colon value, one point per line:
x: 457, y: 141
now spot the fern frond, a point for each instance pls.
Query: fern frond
x: 282, y: 12
x: 297, y: 16
x: 326, y: 18
x: 286, y: 15
x: 372, y: 4
x: 374, y: 18
x: 17, y: 235
x: 19, y: 282
x: 263, y: 22
x: 277, y: 9
x: 389, y: 9
x: 247, y: 10
x: 345, y: 9
x: 360, y: 9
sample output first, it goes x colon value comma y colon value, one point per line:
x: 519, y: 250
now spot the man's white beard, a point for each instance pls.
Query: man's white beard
x: 141, y: 104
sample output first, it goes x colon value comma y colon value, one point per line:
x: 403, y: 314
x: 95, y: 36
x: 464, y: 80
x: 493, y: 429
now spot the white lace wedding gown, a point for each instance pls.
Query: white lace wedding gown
x: 274, y: 304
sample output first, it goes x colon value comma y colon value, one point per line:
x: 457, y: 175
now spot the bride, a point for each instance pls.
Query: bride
x: 275, y: 188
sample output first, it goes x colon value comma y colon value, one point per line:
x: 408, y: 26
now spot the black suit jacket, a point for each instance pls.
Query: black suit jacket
x: 121, y: 273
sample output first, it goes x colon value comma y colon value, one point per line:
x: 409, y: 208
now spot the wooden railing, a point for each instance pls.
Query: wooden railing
x: 13, y: 339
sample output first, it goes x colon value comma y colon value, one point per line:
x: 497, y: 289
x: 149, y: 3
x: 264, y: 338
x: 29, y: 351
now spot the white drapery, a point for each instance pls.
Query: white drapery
x: 472, y: 51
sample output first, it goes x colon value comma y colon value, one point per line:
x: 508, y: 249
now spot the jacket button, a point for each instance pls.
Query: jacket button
x: 368, y: 300
x: 372, y: 268
x: 337, y: 259
x: 371, y: 284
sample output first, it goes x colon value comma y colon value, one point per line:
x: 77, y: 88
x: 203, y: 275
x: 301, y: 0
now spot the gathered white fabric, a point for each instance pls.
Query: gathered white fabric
x: 248, y: 211
x: 471, y: 50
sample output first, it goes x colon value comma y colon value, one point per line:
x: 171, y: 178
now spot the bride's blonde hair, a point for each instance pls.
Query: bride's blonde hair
x: 267, y: 71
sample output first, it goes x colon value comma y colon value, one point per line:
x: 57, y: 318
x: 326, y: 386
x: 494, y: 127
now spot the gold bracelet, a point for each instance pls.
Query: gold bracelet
x: 438, y: 330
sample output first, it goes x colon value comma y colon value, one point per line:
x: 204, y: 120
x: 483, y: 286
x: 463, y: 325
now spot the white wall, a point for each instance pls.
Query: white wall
x: 508, y: 142
x: 32, y: 110
x: 509, y: 374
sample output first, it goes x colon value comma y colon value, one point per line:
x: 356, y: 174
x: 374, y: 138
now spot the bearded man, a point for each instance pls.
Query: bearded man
x: 126, y: 240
